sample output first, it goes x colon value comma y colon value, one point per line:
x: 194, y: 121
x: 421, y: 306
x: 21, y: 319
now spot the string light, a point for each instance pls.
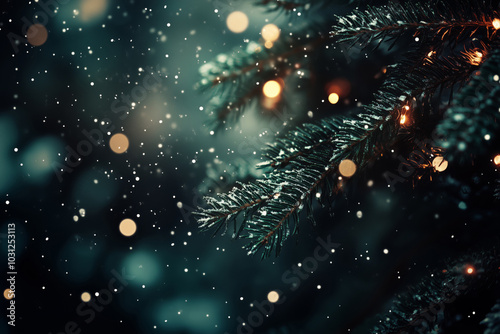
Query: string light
x: 439, y: 164
x: 496, y: 24
x: 470, y: 270
x: 404, y: 118
x: 474, y: 57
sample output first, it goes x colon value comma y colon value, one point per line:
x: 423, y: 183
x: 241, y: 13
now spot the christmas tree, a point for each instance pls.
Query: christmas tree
x: 434, y: 120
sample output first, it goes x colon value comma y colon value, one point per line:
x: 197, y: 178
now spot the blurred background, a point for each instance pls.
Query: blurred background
x: 104, y: 155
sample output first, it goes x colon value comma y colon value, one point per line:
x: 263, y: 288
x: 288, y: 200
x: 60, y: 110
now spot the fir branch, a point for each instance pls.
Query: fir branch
x: 440, y: 18
x: 492, y: 320
x: 418, y: 75
x: 473, y: 119
x: 226, y: 207
x: 233, y: 78
x: 423, y: 307
x: 314, y: 152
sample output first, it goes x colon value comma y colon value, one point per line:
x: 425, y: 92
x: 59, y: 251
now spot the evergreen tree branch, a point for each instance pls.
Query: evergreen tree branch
x: 418, y: 75
x: 439, y: 19
x: 423, y: 307
x: 233, y: 79
x: 492, y: 320
x: 473, y: 119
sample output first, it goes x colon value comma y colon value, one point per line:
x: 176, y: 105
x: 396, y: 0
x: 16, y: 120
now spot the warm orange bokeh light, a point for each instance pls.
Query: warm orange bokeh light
x: 271, y: 89
x: 439, y: 164
x: 496, y: 24
x: 270, y: 32
x: 237, y: 22
x: 119, y: 143
x: 128, y: 227
x: 403, y: 119
x: 470, y: 270
x: 496, y: 160
x: 37, y: 34
x: 347, y: 168
x: 333, y: 98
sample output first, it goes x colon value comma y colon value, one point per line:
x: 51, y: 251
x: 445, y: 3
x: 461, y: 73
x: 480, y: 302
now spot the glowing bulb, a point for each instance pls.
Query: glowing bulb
x: 470, y: 270
x: 270, y: 32
x: 237, y: 22
x: 496, y: 24
x: 475, y: 58
x: 439, y: 164
x: 333, y: 98
x: 271, y: 89
x: 347, y: 168
x: 407, y: 108
x: 403, y: 119
x: 496, y: 160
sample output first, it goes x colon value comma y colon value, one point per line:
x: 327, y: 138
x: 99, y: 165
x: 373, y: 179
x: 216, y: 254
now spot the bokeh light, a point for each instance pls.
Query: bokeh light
x: 128, y: 227
x: 496, y: 160
x: 347, y: 168
x: 7, y: 293
x: 439, y: 164
x: 85, y: 297
x: 273, y: 296
x: 119, y: 143
x: 237, y: 22
x: 333, y: 98
x: 271, y: 89
x: 37, y: 34
x: 496, y: 24
x: 270, y: 32
x: 92, y: 9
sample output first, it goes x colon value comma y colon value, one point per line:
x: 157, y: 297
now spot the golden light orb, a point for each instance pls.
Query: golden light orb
x: 402, y: 120
x: 8, y: 294
x: 470, y: 270
x: 85, y: 297
x: 273, y: 296
x: 333, y: 98
x: 439, y: 164
x: 128, y: 227
x: 270, y: 32
x: 347, y: 168
x: 496, y: 160
x: 37, y: 34
x: 496, y: 24
x: 119, y: 143
x: 271, y: 89
x: 237, y: 22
